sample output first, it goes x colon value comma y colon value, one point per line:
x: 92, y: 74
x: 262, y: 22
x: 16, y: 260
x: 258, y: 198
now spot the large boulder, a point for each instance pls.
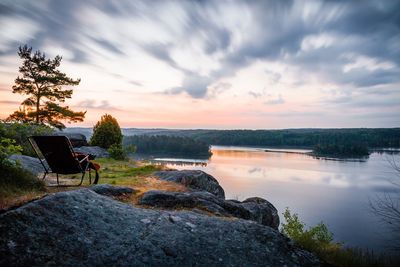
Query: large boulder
x: 99, y: 152
x: 193, y: 179
x: 77, y: 139
x: 82, y: 228
x: 29, y: 163
x: 109, y: 190
x: 255, y: 209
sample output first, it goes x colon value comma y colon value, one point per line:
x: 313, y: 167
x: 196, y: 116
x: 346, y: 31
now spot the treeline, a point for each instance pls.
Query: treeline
x: 341, y: 150
x: 371, y: 138
x: 172, y: 145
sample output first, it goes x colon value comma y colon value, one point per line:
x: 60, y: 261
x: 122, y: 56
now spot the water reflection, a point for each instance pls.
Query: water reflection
x: 336, y: 192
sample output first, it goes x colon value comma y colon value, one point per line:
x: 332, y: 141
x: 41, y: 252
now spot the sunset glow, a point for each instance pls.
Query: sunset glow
x: 215, y: 64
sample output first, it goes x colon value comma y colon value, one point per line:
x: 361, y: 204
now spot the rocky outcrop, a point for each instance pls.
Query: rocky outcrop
x: 99, y: 152
x: 83, y: 228
x: 29, y: 163
x: 255, y: 209
x: 109, y: 190
x: 193, y: 179
x: 76, y: 139
x: 262, y: 211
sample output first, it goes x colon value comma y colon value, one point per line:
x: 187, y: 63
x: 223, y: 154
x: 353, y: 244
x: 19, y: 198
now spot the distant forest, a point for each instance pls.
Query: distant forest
x: 171, y: 145
x: 329, y: 142
x: 307, y: 138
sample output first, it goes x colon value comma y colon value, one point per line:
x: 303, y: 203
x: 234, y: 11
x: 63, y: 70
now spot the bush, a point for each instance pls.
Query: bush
x: 117, y: 152
x: 13, y: 178
x: 319, y: 240
x: 317, y: 237
x: 20, y: 133
x: 106, y: 132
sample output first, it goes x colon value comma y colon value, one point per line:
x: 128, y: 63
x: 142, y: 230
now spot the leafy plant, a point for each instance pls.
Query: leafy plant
x: 312, y: 238
x: 319, y: 240
x: 20, y: 133
x: 13, y: 178
x: 7, y: 148
x: 106, y: 132
x: 117, y: 152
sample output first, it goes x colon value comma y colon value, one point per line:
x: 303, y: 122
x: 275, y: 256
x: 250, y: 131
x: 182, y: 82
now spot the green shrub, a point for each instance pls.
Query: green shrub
x: 317, y: 237
x: 319, y: 240
x: 106, y: 132
x: 117, y: 152
x: 13, y: 178
x: 20, y: 133
x: 7, y: 148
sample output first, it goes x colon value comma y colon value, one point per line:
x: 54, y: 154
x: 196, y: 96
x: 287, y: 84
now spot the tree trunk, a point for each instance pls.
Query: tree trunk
x: 37, y: 109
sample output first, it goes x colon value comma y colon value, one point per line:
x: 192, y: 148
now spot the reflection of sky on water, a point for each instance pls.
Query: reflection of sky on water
x: 336, y: 192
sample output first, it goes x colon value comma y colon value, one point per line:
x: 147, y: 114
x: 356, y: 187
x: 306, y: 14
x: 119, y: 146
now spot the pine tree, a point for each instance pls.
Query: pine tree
x: 42, y: 82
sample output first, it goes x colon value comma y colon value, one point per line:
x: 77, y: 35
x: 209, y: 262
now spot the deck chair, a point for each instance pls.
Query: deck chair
x: 60, y: 157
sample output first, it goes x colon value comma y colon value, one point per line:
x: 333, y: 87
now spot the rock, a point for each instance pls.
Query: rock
x: 193, y: 179
x: 109, y: 190
x: 77, y: 139
x: 99, y: 152
x: 29, y: 163
x: 255, y: 209
x: 83, y: 228
x: 262, y: 211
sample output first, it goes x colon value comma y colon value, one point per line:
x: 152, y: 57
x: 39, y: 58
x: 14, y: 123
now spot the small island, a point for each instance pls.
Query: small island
x: 350, y: 150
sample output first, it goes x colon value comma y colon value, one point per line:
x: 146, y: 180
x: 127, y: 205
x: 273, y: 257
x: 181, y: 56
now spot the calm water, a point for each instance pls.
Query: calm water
x: 336, y: 192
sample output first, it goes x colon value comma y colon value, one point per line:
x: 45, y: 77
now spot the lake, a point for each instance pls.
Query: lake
x: 335, y: 192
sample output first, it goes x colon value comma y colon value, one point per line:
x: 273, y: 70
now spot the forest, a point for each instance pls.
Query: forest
x: 306, y: 138
x: 171, y: 145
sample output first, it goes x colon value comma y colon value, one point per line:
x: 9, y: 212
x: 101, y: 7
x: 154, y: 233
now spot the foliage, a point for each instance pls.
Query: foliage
x: 311, y: 239
x: 373, y: 138
x: 347, y: 149
x: 168, y: 145
x: 7, y: 148
x: 319, y: 240
x: 14, y: 179
x: 42, y: 82
x: 106, y: 132
x: 117, y: 152
x: 20, y: 133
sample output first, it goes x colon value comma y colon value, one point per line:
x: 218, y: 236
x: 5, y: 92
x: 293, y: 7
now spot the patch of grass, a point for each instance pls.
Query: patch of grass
x: 137, y: 175
x: 124, y: 172
x: 16, y: 181
x: 319, y: 240
x: 18, y: 185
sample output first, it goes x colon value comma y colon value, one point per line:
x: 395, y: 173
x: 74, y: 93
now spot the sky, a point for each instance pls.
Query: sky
x: 215, y: 64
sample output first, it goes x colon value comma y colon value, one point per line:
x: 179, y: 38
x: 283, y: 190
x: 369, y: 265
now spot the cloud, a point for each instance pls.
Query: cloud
x: 109, y: 46
x: 255, y: 94
x: 195, y: 85
x: 10, y: 102
x: 275, y: 100
x: 346, y: 44
x: 135, y: 83
x: 92, y: 104
x: 218, y: 89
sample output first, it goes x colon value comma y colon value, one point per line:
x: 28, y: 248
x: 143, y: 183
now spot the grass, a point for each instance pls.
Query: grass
x: 16, y: 182
x: 134, y: 174
x: 124, y: 172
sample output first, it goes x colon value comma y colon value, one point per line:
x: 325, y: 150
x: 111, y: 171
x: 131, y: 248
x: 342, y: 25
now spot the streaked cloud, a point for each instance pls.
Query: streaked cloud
x: 271, y: 56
